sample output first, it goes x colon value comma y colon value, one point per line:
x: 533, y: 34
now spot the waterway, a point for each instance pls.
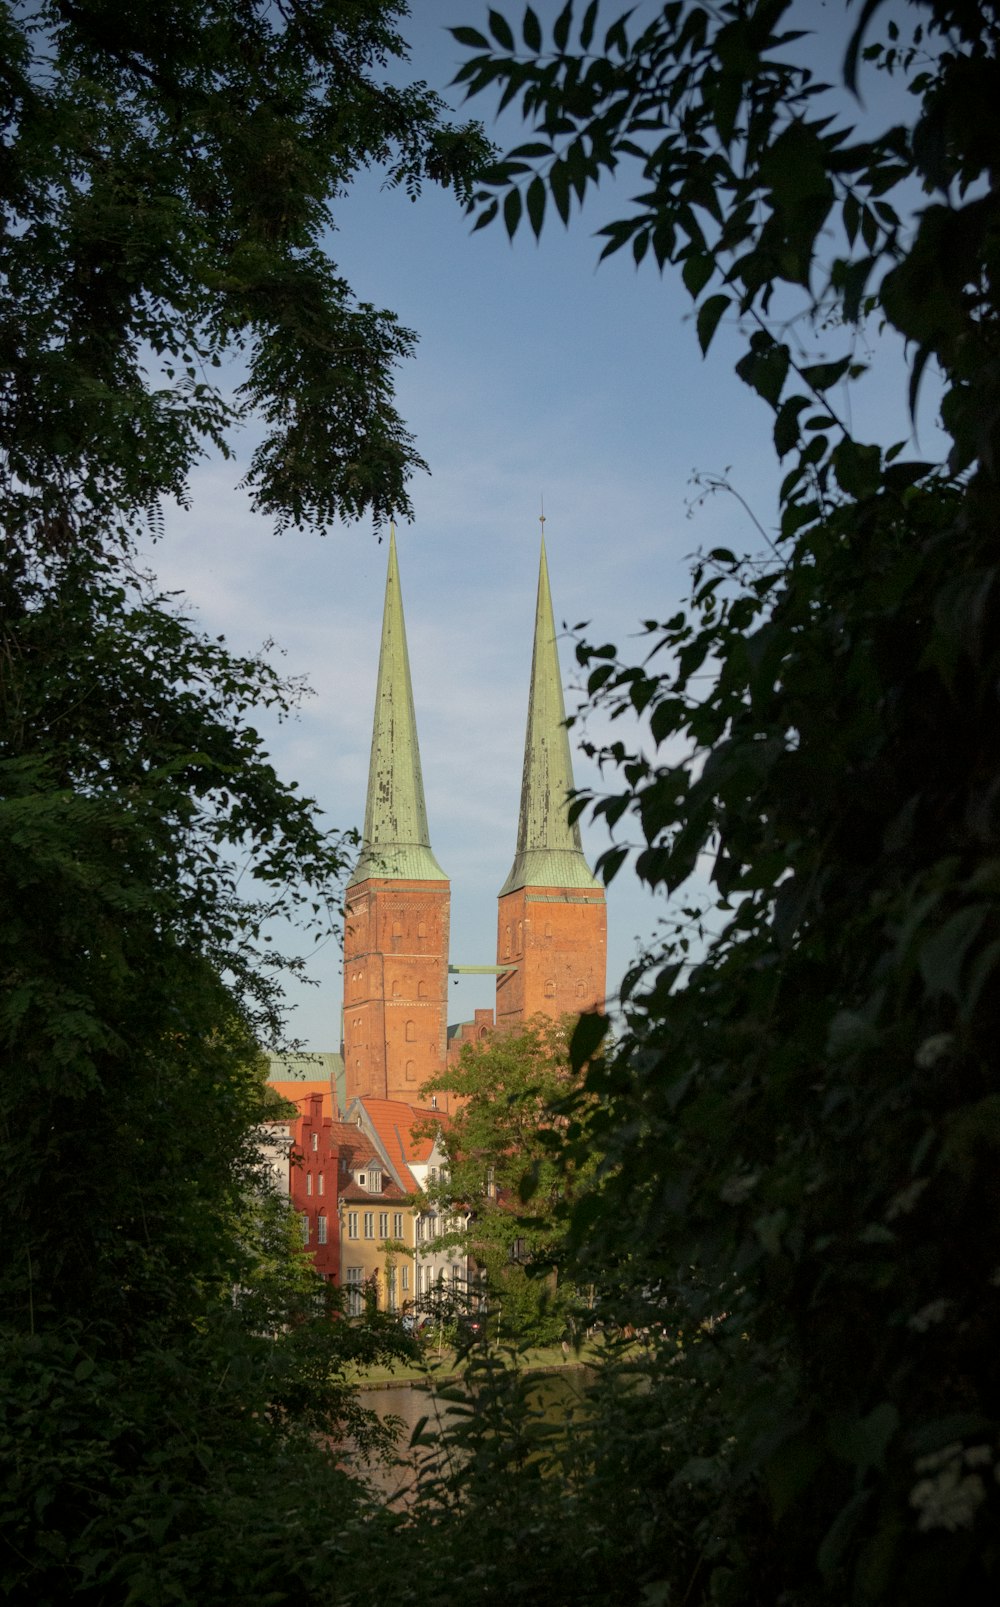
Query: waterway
x: 554, y: 1393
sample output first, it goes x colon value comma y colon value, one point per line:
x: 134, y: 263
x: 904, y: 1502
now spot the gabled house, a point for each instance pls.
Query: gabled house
x: 434, y: 1265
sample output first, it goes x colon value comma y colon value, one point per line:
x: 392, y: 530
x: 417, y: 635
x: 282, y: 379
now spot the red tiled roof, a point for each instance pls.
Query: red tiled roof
x: 356, y: 1194
x: 351, y: 1141
x: 395, y: 1123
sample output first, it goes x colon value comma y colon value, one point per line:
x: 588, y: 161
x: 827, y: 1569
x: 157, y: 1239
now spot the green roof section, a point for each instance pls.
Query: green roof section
x: 396, y: 843
x: 549, y: 850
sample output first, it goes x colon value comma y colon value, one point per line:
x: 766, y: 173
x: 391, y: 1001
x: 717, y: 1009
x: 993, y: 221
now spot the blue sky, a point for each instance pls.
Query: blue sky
x: 537, y: 374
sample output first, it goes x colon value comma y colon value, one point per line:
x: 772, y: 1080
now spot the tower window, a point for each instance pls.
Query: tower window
x: 421, y: 990
x: 411, y: 1032
x: 550, y: 989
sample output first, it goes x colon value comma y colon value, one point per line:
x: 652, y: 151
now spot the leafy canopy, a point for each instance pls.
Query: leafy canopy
x: 801, y: 1134
x: 170, y: 182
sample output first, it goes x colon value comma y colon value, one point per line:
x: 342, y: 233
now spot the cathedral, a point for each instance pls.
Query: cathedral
x: 551, y: 919
x: 353, y: 1148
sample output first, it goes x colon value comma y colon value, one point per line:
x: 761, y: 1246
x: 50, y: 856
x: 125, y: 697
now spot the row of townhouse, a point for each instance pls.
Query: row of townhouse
x: 358, y: 1179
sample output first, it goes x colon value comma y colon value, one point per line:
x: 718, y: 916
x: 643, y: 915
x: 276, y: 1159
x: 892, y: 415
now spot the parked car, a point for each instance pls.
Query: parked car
x: 471, y: 1326
x: 414, y: 1322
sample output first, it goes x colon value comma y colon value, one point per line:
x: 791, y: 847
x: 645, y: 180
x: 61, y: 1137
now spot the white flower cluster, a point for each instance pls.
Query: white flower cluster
x: 951, y: 1494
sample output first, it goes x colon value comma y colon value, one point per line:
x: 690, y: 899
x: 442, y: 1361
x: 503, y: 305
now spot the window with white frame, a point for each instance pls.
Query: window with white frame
x: 321, y: 1229
x: 397, y: 1225
x: 319, y: 1184
x: 304, y: 1222
x: 375, y: 1182
x: 309, y: 1182
x: 405, y: 1271
x: 355, y: 1294
x: 369, y: 1224
x: 315, y: 1140
x: 383, y: 1224
x: 352, y: 1224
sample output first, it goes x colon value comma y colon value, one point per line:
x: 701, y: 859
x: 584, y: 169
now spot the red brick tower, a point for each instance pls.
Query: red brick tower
x: 398, y: 900
x: 552, y: 923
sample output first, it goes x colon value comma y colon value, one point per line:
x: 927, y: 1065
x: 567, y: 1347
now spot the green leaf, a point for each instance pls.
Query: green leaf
x: 697, y: 271
x: 470, y: 38
x: 588, y: 1036
x: 512, y: 212
x: 531, y: 31
x: 501, y: 30
x: 858, y: 468
x: 822, y: 375
x: 536, y: 204
x: 709, y: 314
x: 562, y: 25
x: 786, y: 425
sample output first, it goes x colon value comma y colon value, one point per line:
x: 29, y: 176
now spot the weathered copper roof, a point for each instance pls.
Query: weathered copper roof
x: 549, y: 849
x: 396, y: 842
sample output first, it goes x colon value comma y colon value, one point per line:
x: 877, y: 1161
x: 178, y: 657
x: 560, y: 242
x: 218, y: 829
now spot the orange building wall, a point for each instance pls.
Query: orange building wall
x: 395, y: 987
x: 557, y: 939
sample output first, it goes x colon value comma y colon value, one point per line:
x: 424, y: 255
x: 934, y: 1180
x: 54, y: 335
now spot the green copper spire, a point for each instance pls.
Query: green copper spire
x: 396, y: 843
x: 549, y: 851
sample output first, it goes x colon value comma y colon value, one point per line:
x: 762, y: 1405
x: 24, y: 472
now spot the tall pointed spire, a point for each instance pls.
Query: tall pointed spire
x: 549, y: 850
x: 396, y: 843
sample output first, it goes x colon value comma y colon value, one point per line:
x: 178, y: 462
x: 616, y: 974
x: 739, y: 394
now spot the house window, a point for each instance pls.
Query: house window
x: 304, y: 1220
x: 397, y: 1225
x: 434, y: 1101
x: 352, y: 1224
x: 420, y: 1229
x: 321, y: 1229
x: 363, y: 1179
x: 406, y: 1276
x: 420, y: 1278
x: 383, y: 1224
x: 369, y: 1224
x: 320, y: 1184
x: 355, y: 1299
x: 309, y: 1182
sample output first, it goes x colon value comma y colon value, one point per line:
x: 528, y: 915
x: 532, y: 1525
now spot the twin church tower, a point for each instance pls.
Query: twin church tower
x: 551, y: 921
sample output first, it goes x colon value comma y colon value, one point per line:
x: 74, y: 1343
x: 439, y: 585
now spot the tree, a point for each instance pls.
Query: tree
x: 501, y: 1145
x: 169, y: 178
x: 801, y: 1130
x: 166, y: 1368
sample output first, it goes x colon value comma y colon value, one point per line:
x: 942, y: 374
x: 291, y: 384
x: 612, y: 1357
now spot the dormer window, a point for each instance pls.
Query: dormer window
x: 363, y: 1179
x: 375, y: 1182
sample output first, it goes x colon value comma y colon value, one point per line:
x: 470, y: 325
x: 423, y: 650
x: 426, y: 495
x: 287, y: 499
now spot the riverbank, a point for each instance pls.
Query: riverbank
x: 444, y: 1365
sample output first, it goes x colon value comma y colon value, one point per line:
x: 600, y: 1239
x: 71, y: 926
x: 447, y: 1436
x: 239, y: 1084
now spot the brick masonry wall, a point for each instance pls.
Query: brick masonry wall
x: 557, y: 939
x: 395, y: 986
